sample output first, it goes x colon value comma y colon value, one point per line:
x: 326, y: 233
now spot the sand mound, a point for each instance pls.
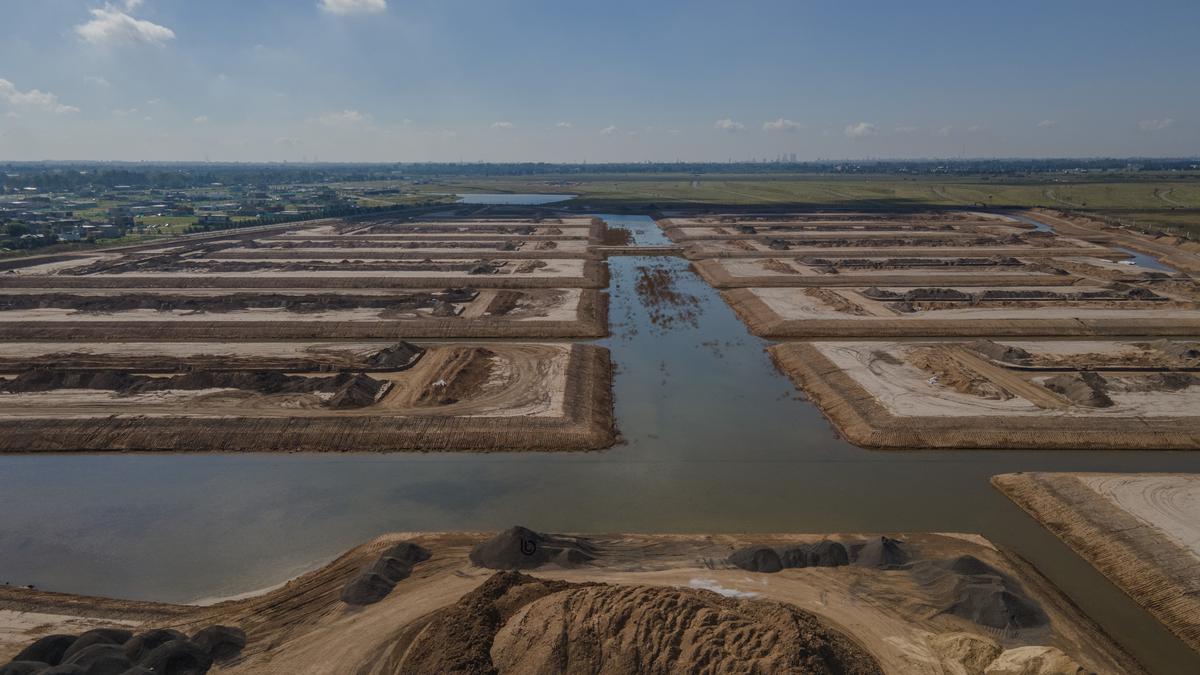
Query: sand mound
x: 521, y: 548
x: 1085, y: 389
x: 514, y: 623
x: 1034, y: 661
x: 964, y: 653
x: 883, y: 552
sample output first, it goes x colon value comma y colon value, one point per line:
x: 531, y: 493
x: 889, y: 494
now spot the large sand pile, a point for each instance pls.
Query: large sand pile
x: 515, y: 623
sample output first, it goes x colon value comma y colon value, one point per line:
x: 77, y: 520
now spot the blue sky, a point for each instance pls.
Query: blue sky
x: 497, y: 80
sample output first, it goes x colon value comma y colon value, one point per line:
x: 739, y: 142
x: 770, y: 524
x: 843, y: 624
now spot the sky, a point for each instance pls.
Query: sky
x: 572, y: 81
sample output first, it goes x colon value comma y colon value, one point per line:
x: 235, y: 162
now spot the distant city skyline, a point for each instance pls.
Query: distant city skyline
x: 513, y: 80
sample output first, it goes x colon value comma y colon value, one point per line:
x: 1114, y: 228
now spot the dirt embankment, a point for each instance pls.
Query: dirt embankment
x: 923, y: 603
x: 298, y: 303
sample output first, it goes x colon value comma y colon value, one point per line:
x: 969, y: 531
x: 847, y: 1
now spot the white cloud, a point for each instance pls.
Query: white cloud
x: 974, y: 128
x: 729, y: 125
x: 97, y: 81
x: 202, y: 119
x: 564, y: 125
x: 131, y: 5
x: 343, y: 118
x: 1155, y: 125
x: 674, y: 132
x: 112, y: 25
x: 907, y: 129
x: 861, y: 130
x: 945, y: 131
x: 608, y: 130
x: 1047, y: 124
x: 344, y: 7
x: 33, y: 98
x: 781, y: 125
x: 125, y: 112
x: 502, y: 125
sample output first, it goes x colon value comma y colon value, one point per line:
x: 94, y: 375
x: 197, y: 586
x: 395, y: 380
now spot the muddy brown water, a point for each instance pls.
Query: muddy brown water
x: 715, y: 441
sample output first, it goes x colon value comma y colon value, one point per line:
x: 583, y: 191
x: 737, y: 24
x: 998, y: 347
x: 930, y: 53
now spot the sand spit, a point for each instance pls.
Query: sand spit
x: 1142, y: 531
x: 639, y: 604
x: 902, y: 396
x: 457, y: 397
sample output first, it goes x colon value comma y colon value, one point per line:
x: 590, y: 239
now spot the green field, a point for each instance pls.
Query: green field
x: 1161, y: 201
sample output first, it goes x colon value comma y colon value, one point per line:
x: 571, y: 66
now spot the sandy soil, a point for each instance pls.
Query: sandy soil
x: 1142, y: 531
x: 523, y: 380
x: 885, y: 370
x: 303, y: 627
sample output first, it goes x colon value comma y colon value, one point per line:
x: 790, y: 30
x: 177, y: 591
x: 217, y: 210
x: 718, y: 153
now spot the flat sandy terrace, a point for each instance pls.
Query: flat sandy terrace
x: 908, y: 247
x: 339, y: 272
x: 65, y: 314
x: 668, y: 592
x: 954, y: 395
x: 976, y: 270
x: 815, y: 232
x: 783, y: 312
x: 407, y: 249
x: 458, y: 396
x: 1142, y: 531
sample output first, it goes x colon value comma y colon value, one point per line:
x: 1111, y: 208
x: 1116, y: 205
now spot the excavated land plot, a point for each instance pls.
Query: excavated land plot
x: 496, y: 396
x: 343, y: 254
x: 629, y: 603
x: 835, y: 271
x: 1178, y: 252
x: 978, y: 395
x: 66, y: 314
x: 176, y: 272
x: 1142, y: 531
x: 782, y: 312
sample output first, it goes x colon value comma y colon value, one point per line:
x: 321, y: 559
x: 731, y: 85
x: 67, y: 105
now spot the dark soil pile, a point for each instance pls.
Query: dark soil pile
x: 349, y: 390
x: 301, y: 304
x: 1187, y: 352
x: 463, y: 376
x: 400, y: 356
x: 1002, y: 353
x: 521, y: 548
x: 359, y: 391
x: 116, y: 651
x: 883, y: 552
x: 503, y: 303
x: 824, y: 553
x: 514, y: 623
x: 1086, y: 389
x: 377, y: 579
x: 617, y: 236
x: 969, y: 588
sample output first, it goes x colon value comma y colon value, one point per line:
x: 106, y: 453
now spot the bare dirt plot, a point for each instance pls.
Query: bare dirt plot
x: 792, y: 313
x: 458, y: 396
x: 674, y: 594
x: 788, y: 270
x: 898, y: 395
x: 291, y: 314
x: 1142, y: 531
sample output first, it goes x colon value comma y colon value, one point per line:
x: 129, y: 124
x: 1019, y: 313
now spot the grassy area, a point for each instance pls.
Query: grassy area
x: 1163, y: 201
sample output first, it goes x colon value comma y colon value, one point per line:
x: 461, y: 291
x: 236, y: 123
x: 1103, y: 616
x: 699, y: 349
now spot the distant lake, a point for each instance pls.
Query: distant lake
x: 512, y: 198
